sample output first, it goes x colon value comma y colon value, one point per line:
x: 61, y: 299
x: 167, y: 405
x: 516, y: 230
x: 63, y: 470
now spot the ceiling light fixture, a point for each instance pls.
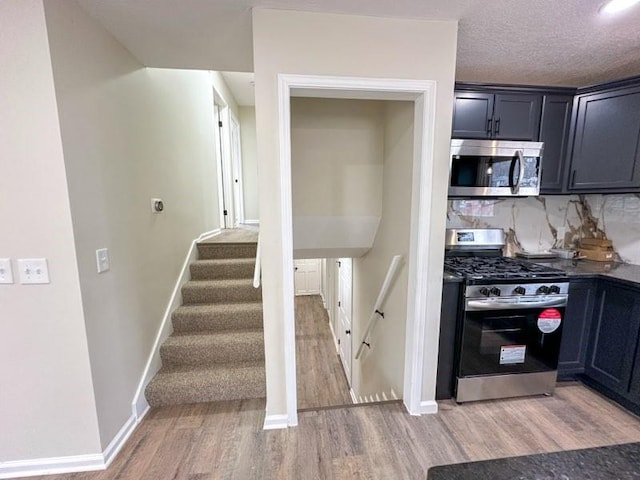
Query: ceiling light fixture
x: 615, y: 6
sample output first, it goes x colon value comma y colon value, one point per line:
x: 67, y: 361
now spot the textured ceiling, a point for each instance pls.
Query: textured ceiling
x: 552, y: 42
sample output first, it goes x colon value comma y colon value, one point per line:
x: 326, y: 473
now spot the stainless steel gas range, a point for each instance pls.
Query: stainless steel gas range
x: 510, y: 321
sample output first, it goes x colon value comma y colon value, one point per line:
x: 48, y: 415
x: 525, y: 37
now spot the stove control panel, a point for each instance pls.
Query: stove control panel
x: 517, y: 289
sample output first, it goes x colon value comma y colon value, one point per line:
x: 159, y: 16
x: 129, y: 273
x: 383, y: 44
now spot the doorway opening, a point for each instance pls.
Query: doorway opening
x: 354, y: 188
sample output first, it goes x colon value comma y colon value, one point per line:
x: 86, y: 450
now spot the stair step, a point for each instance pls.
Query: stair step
x: 222, y: 268
x: 208, y: 349
x: 217, y: 317
x: 220, y: 291
x: 175, y: 386
x: 226, y: 250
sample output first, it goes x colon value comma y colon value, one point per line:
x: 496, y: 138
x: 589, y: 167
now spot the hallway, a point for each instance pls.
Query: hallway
x: 321, y: 379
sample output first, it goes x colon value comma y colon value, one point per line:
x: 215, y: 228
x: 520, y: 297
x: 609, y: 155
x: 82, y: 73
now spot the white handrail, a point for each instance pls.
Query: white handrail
x: 258, y: 267
x: 382, y: 296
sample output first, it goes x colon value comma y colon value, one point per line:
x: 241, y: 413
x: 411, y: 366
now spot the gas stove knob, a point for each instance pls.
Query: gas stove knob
x: 554, y: 289
x: 519, y: 291
x: 495, y: 291
x: 484, y: 291
x: 543, y: 289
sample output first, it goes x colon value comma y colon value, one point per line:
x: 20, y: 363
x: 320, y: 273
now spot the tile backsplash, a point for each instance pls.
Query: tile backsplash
x: 538, y: 223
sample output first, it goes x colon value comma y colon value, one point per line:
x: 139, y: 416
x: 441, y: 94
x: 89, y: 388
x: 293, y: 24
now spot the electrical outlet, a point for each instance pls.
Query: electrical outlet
x: 102, y: 260
x: 6, y: 274
x: 33, y: 270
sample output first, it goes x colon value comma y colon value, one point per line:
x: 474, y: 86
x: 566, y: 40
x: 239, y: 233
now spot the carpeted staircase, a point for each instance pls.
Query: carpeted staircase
x: 216, y: 351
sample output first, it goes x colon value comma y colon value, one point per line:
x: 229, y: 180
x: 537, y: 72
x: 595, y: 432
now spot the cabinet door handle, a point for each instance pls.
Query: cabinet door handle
x: 573, y: 178
x: 497, y: 126
x: 489, y: 122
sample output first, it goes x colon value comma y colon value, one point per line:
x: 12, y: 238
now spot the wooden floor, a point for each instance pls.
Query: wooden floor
x: 226, y: 441
x: 321, y: 379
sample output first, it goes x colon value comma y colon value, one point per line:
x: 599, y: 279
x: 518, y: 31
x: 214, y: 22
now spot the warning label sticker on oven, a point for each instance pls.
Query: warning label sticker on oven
x: 549, y: 320
x: 510, y: 354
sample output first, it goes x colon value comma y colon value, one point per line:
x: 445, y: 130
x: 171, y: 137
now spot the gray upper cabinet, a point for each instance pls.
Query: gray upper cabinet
x: 606, y: 151
x: 472, y: 115
x: 504, y: 116
x: 554, y: 132
x: 516, y: 116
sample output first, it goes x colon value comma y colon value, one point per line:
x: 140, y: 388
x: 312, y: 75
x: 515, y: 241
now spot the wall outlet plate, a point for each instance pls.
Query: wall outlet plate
x: 102, y: 260
x: 33, y: 270
x: 6, y: 273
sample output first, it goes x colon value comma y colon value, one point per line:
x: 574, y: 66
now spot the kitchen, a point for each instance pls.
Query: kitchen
x: 363, y: 46
x: 567, y: 292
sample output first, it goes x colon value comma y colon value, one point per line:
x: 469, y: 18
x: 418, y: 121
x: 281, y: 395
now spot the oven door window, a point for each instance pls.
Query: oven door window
x: 492, y: 171
x: 507, y: 342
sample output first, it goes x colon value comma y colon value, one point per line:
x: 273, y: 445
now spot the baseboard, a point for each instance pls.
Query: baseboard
x: 140, y: 407
x: 121, y: 437
x: 251, y: 222
x: 73, y: 463
x: 209, y: 234
x: 353, y: 396
x: 48, y: 466
x: 324, y: 302
x: 335, y: 339
x: 165, y: 329
x: 428, y: 407
x: 273, y: 422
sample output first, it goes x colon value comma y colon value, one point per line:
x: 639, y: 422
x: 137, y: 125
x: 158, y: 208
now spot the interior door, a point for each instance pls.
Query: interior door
x: 345, y: 279
x: 236, y: 169
x: 307, y: 277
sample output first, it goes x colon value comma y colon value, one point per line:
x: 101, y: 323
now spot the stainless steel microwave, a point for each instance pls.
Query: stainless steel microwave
x: 495, y: 168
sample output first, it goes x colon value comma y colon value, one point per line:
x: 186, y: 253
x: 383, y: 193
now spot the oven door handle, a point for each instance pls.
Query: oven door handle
x: 515, y: 304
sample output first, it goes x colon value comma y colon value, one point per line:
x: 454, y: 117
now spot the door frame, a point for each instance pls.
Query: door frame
x: 423, y: 94
x: 224, y: 165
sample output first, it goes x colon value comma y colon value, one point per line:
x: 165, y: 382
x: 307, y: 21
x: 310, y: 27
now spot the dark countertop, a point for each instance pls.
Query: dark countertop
x: 616, y: 462
x: 587, y: 268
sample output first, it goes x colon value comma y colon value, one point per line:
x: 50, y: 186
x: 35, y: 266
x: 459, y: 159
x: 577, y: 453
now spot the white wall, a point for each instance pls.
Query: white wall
x: 324, y: 44
x: 129, y: 134
x: 336, y: 173
x: 46, y: 398
x: 336, y: 156
x: 249, y: 162
x: 382, y: 367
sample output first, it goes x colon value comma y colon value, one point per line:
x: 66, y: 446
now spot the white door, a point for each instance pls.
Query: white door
x: 345, y: 279
x: 236, y: 167
x: 307, y: 276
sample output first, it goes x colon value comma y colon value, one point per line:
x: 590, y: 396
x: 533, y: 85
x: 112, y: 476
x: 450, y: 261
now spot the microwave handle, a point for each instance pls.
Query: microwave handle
x: 519, y: 156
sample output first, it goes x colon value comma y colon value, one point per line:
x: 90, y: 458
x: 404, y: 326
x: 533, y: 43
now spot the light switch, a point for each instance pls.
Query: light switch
x: 33, y: 270
x: 102, y: 260
x: 6, y: 274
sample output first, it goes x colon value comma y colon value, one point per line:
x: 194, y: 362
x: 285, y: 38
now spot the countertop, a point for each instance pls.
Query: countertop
x: 624, y: 272
x: 616, y: 462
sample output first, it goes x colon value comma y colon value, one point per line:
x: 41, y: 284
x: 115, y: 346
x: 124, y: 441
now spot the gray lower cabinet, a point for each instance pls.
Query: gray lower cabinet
x: 576, y: 326
x: 612, y: 360
x: 606, y: 149
x: 446, y: 348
